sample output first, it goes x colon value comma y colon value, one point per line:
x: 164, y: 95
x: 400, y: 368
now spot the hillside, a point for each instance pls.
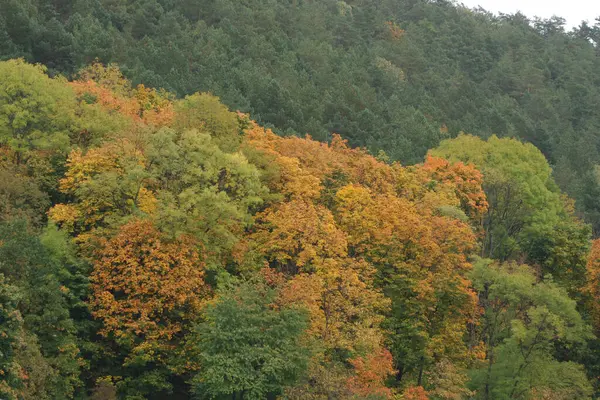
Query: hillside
x: 169, y: 230
x: 154, y: 247
x: 393, y: 75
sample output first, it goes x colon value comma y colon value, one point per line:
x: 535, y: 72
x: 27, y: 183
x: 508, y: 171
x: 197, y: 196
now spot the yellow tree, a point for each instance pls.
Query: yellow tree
x: 107, y: 183
x: 592, y: 287
x: 299, y: 237
x: 422, y: 265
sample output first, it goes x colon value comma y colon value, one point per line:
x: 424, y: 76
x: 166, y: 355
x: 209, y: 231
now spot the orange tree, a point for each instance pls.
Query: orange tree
x: 146, y: 289
x: 350, y: 228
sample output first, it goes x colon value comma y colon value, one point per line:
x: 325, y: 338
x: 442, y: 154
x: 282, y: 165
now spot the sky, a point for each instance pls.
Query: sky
x: 574, y: 11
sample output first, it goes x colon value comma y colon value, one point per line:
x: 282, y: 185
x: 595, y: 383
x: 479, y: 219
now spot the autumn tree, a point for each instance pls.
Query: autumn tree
x: 371, y: 373
x: 593, y: 281
x: 422, y: 266
x: 106, y: 86
x: 463, y: 179
x: 299, y: 237
x: 106, y: 185
x: 147, y: 290
x: 352, y: 225
x: 143, y: 255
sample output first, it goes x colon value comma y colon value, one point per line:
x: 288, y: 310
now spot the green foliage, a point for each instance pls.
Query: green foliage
x: 371, y: 290
x: 526, y: 213
x: 36, y: 111
x: 206, y: 113
x: 10, y: 332
x: 73, y: 275
x: 203, y: 190
x: 25, y: 263
x: 21, y: 196
x: 249, y: 347
x: 453, y: 212
x: 395, y: 75
x: 524, y: 322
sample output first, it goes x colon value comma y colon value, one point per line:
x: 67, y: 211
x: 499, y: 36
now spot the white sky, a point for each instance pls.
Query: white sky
x: 574, y: 11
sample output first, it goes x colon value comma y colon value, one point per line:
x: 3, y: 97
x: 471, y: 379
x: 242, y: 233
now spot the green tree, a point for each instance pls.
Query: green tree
x: 25, y: 263
x: 202, y: 190
x: 204, y: 112
x: 523, y: 324
x: 10, y: 334
x: 249, y: 348
x: 36, y: 112
x: 525, y: 205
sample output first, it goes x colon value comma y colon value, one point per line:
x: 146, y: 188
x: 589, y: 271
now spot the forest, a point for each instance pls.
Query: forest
x: 294, y: 199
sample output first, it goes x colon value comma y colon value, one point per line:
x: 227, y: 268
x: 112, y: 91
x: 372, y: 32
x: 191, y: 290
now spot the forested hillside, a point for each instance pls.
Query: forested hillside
x: 430, y: 239
x: 157, y: 248
x: 397, y: 75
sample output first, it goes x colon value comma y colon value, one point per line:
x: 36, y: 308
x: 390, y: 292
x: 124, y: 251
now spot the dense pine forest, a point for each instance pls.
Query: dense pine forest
x: 294, y: 199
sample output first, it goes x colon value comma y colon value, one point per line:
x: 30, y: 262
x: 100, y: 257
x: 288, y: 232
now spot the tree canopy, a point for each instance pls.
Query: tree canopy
x: 158, y: 244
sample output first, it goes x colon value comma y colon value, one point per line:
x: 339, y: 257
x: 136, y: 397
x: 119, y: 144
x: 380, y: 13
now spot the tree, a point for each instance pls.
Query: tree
x: 107, y: 185
x: 202, y: 190
x: 204, y: 112
x: 48, y: 347
x: 20, y: 195
x: 523, y: 322
x: 37, y: 112
x: 525, y: 205
x: 11, y: 375
x: 106, y: 86
x: 158, y: 279
x: 249, y: 347
x: 592, y: 287
x: 418, y: 72
x: 147, y: 290
x: 421, y: 266
x: 371, y: 373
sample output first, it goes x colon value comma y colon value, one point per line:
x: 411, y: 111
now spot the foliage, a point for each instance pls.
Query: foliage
x: 10, y: 331
x: 146, y: 291
x: 36, y: 111
x: 49, y: 331
x: 173, y: 248
x: 249, y: 347
x: 527, y: 216
x: 393, y: 75
x: 371, y: 373
x: 523, y: 323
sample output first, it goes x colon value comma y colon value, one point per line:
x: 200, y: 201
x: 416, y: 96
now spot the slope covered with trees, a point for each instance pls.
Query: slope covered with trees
x: 397, y: 75
x: 154, y: 247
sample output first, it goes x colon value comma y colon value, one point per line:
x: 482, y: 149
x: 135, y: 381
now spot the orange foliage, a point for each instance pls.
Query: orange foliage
x: 394, y: 30
x: 465, y: 180
x: 329, y: 236
x: 415, y: 393
x: 141, y: 104
x: 318, y: 160
x: 345, y: 310
x: 145, y: 286
x: 370, y: 374
x: 428, y: 252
